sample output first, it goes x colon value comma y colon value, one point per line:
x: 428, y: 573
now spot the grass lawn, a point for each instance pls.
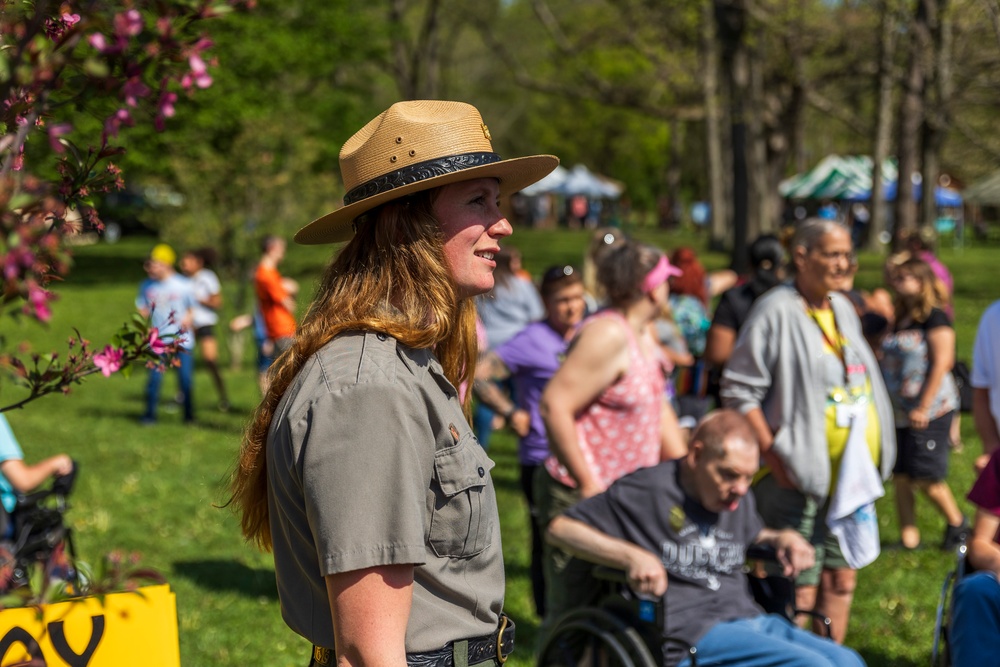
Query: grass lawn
x: 156, y: 490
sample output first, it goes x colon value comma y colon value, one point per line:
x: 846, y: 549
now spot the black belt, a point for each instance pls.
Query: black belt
x: 494, y: 647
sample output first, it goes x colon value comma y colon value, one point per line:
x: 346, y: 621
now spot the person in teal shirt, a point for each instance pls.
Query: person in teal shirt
x: 16, y: 476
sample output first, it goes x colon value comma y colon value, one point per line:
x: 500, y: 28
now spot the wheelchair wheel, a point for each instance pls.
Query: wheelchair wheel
x: 595, y: 638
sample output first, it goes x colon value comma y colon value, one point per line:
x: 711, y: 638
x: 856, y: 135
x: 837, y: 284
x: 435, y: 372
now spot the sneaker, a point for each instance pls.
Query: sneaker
x: 955, y: 536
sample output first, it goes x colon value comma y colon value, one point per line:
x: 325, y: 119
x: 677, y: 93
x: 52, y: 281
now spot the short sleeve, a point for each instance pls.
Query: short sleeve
x: 519, y: 352
x: 754, y: 524
x: 599, y: 512
x: 366, y: 462
x: 983, y: 364
x: 9, y: 447
x: 211, y: 282
x: 747, y: 376
x: 985, y: 492
x: 190, y: 297
x: 725, y: 313
x: 268, y: 284
x: 536, y: 309
x: 141, y: 301
x: 937, y: 318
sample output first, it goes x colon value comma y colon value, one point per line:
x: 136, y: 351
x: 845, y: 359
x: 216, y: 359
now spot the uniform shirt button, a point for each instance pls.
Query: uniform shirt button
x: 482, y: 472
x: 380, y: 335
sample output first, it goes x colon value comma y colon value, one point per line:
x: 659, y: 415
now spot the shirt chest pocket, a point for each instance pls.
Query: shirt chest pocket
x: 465, y: 510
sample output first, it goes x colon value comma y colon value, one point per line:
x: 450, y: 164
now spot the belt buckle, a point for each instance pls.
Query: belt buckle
x: 501, y: 658
x: 322, y: 655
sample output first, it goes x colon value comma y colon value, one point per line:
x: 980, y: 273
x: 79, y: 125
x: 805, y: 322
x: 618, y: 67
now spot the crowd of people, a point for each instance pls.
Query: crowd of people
x: 655, y: 434
x: 182, y: 299
x: 841, y: 389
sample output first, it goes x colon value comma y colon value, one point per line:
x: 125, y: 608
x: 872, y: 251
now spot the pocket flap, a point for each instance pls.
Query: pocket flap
x: 462, y: 467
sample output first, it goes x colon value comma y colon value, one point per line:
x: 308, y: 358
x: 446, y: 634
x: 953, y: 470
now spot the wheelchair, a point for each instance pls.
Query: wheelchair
x: 40, y: 535
x: 940, y: 654
x: 625, y: 630
x: 622, y: 630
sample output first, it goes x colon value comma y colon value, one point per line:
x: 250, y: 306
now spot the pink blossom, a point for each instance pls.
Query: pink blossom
x: 156, y: 344
x: 166, y: 104
x: 198, y: 74
x: 134, y: 89
x: 128, y: 24
x: 98, y: 41
x: 56, y: 131
x: 114, y: 122
x: 38, y: 302
x: 202, y: 44
x: 109, y: 360
x: 57, y: 27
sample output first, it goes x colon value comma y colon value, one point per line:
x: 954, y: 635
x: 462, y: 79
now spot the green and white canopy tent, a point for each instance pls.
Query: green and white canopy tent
x: 837, y: 177
x: 984, y: 192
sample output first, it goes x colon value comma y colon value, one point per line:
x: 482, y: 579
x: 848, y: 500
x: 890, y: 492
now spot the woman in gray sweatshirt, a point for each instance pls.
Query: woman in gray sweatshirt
x: 799, y: 368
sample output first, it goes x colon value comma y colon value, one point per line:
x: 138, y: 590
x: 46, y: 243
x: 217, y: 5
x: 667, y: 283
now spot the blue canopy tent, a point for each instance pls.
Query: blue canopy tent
x: 943, y: 197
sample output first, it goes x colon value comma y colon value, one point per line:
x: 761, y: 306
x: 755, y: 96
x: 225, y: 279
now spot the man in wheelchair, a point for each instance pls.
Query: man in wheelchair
x: 680, y: 530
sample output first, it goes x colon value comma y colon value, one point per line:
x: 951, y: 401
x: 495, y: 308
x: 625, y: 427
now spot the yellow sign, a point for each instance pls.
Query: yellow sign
x: 117, y: 630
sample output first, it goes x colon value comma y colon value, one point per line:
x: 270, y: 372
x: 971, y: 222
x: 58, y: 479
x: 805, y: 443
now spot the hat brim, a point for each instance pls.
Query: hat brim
x: 514, y: 174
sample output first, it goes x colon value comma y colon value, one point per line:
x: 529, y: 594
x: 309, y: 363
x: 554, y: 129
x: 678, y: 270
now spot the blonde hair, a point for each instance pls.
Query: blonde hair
x: 933, y: 293
x: 601, y: 240
x: 392, y: 278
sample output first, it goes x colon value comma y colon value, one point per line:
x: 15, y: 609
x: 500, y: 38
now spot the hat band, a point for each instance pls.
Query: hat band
x: 418, y: 172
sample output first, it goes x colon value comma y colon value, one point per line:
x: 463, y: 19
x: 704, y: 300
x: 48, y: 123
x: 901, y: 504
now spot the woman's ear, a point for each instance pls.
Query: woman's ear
x: 799, y: 257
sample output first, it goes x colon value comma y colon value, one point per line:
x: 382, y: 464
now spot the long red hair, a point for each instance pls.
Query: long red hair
x: 692, y: 281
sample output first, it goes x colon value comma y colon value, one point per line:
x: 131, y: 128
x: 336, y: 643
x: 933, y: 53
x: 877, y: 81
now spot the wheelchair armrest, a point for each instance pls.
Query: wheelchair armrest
x: 761, y: 552
x: 61, y: 487
x: 610, y: 574
x: 63, y: 484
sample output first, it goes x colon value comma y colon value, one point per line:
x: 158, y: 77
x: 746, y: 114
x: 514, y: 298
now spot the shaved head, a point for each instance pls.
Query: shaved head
x: 722, y: 459
x: 721, y: 427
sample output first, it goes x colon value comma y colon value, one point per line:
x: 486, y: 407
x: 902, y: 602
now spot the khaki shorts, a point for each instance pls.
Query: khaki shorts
x: 568, y: 580
x: 787, y: 508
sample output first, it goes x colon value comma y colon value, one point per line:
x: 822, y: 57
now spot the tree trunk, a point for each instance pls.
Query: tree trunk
x: 731, y: 17
x: 937, y: 98
x: 713, y: 130
x: 878, y: 222
x: 911, y: 114
x: 416, y: 62
x: 673, y: 176
x: 757, y: 156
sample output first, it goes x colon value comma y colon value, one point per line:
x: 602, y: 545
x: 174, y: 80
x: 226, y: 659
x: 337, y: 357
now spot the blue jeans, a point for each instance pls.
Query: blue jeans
x: 975, y: 621
x: 769, y: 641
x: 482, y: 423
x: 185, y: 373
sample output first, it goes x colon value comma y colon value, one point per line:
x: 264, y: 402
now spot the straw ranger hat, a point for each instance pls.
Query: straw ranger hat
x: 416, y: 146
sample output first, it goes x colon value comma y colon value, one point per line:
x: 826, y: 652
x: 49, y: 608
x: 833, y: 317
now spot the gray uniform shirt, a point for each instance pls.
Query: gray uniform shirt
x: 371, y: 462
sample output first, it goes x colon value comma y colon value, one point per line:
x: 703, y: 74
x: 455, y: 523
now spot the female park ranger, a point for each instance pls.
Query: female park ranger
x: 359, y: 469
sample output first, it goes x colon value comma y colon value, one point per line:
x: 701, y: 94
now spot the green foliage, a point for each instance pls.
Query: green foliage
x: 158, y: 490
x: 257, y: 152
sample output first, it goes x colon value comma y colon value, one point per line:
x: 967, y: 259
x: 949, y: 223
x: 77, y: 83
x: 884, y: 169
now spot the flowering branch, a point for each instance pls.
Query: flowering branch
x: 135, y: 341
x: 121, y: 62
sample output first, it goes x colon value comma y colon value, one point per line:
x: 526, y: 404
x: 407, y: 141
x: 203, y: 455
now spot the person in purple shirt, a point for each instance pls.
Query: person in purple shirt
x: 530, y: 358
